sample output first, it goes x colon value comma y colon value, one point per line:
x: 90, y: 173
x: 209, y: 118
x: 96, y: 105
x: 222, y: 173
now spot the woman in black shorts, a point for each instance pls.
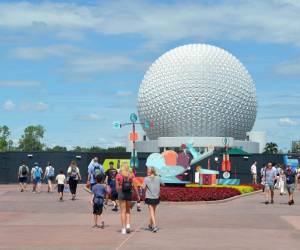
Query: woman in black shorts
x: 152, y: 185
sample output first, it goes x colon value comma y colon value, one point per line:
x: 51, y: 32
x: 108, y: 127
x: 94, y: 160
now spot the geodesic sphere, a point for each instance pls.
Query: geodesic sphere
x: 197, y: 90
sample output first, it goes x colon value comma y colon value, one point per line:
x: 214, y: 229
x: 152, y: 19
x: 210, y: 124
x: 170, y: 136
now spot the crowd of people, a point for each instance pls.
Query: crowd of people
x: 277, y: 176
x: 113, y: 184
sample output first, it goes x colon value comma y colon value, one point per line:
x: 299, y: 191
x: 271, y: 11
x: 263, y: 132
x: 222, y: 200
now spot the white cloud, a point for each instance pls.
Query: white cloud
x: 89, y: 117
x: 18, y: 83
x: 100, y: 63
x: 9, y: 105
x: 286, y: 121
x: 37, y: 53
x: 263, y: 21
x: 289, y: 68
x: 40, y: 106
x: 124, y: 93
x: 29, y: 106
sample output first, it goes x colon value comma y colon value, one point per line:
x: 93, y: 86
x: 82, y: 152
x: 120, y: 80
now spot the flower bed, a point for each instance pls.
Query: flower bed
x: 197, y: 194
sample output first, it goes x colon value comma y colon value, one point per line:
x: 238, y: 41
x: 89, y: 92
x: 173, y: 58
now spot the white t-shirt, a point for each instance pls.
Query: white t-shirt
x: 48, y: 169
x: 61, y: 178
x: 253, y: 169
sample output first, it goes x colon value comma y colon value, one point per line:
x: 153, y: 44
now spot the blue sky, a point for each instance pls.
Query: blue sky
x: 76, y: 66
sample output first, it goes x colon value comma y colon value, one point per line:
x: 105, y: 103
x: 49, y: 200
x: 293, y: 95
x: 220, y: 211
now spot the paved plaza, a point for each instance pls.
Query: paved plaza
x: 39, y: 221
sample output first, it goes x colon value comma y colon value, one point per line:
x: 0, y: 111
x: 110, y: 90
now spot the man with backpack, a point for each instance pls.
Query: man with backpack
x: 50, y: 176
x: 94, y: 169
x: 110, y: 180
x: 23, y: 174
x: 36, y: 177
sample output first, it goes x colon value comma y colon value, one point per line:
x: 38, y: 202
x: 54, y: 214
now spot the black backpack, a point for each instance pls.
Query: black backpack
x: 126, y: 185
x: 98, y: 200
x: 24, y: 170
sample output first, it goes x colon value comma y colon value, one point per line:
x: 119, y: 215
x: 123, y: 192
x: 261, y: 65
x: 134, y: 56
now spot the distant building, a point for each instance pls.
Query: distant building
x: 295, y: 146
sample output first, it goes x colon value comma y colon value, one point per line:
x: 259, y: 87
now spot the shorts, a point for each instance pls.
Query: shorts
x: 269, y: 186
x: 149, y: 201
x: 22, y: 179
x: 114, y: 195
x: 60, y: 188
x: 51, y: 178
x: 290, y: 188
x: 124, y: 196
x: 97, y: 209
x: 37, y: 181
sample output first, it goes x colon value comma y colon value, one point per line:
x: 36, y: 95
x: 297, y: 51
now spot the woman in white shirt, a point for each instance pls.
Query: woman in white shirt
x: 74, y: 176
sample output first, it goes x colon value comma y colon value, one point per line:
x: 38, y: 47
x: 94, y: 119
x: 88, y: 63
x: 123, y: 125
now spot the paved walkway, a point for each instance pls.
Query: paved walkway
x: 39, y: 221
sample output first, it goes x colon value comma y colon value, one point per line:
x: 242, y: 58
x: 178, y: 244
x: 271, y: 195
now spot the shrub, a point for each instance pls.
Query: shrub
x: 197, y: 194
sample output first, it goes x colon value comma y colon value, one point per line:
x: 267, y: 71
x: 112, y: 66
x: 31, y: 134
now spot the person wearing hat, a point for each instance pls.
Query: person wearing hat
x: 36, y: 178
x: 290, y: 183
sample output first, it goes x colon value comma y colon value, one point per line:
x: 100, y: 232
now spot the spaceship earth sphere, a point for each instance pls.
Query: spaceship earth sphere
x: 197, y: 90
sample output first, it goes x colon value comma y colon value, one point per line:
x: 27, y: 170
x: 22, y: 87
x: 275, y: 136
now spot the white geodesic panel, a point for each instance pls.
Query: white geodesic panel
x: 197, y: 90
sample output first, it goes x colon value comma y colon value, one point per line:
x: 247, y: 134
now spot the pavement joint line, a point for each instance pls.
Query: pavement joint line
x: 131, y: 235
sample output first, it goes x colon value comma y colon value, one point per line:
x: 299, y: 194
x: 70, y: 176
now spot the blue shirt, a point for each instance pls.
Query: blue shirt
x: 91, y: 171
x: 270, y: 175
x: 99, y: 190
x: 290, y: 176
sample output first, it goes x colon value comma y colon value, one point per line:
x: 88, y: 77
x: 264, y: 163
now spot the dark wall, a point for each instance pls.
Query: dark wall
x: 10, y: 162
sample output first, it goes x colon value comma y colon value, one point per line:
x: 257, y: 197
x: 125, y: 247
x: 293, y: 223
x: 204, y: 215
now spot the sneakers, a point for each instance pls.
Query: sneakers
x: 115, y: 209
x: 266, y: 202
x: 102, y: 225
x: 123, y: 231
x: 155, y: 230
x: 150, y: 228
x: 138, y: 209
x: 128, y: 231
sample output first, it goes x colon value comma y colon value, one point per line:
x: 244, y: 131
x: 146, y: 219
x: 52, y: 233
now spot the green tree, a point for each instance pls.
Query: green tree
x: 271, y: 148
x: 31, y: 139
x: 4, y: 134
x: 57, y: 149
x: 117, y: 149
x: 95, y: 149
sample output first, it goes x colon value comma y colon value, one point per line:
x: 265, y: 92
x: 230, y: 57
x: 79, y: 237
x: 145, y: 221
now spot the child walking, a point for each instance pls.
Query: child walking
x: 99, y: 191
x: 61, y: 180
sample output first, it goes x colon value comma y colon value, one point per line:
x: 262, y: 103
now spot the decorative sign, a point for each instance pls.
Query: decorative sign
x: 117, y: 125
x: 147, y: 124
x: 225, y: 141
x: 133, y: 117
x: 134, y: 136
x: 226, y: 175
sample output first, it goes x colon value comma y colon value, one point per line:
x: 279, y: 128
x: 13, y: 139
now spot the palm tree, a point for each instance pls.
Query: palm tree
x: 271, y: 148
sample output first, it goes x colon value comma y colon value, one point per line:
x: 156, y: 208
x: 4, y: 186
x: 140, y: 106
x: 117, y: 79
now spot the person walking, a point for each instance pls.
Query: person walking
x: 99, y: 191
x: 124, y: 184
x: 270, y: 174
x: 152, y: 185
x: 281, y: 180
x: 61, y: 181
x: 110, y: 180
x: 49, y: 176
x: 23, y: 174
x: 36, y: 178
x: 74, y: 176
x: 253, y: 171
x: 262, y: 180
x: 94, y: 169
x: 290, y: 183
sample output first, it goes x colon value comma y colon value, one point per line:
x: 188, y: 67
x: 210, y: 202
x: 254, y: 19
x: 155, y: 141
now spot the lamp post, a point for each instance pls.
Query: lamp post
x: 133, y: 135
